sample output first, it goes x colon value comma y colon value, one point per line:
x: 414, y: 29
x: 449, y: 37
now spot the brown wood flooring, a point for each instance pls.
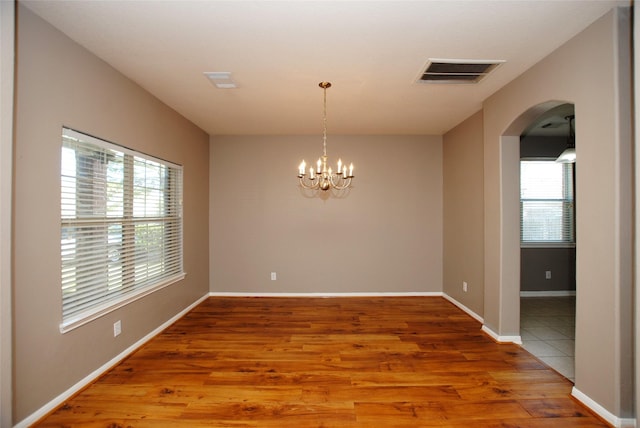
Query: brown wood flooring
x: 326, y: 362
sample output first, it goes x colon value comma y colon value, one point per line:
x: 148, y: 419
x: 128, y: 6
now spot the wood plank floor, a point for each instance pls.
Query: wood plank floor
x: 333, y: 362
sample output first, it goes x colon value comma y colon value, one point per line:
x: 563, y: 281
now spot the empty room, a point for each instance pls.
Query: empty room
x: 318, y: 213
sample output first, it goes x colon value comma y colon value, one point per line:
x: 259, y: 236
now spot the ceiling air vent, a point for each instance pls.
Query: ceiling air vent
x: 457, y: 70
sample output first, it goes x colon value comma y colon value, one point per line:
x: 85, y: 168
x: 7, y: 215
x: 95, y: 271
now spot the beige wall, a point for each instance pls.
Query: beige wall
x: 464, y: 213
x: 59, y: 83
x: 7, y: 63
x: 636, y: 301
x: 384, y: 235
x: 590, y: 71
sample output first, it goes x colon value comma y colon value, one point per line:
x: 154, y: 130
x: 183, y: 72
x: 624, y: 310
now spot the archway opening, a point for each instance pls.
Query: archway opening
x: 547, y: 239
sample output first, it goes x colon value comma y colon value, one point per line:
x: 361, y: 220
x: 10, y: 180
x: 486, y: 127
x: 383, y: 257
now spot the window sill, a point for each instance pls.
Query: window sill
x: 547, y: 245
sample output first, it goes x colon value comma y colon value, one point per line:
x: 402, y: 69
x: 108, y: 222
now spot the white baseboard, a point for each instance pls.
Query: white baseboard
x: 60, y: 399
x: 369, y: 294
x: 464, y: 308
x: 548, y: 293
x: 502, y: 339
x: 601, y: 411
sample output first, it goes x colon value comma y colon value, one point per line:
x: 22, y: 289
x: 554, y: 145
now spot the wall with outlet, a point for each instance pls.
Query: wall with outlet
x: 82, y: 91
x: 548, y: 269
x: 270, y: 236
x: 601, y: 93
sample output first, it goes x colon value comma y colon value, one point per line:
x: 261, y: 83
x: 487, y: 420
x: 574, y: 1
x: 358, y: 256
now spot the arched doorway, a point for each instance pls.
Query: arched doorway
x: 502, y: 228
x: 502, y: 254
x: 547, y: 247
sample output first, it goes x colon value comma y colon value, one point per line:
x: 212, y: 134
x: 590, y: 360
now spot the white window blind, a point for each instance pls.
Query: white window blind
x: 121, y: 226
x: 546, y: 202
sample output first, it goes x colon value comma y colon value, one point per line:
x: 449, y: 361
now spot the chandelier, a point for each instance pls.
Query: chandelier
x: 569, y: 155
x: 323, y: 177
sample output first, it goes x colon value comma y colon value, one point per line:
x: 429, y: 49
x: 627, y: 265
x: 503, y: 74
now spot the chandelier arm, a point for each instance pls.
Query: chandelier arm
x: 342, y: 183
x: 343, y: 187
x: 308, y: 183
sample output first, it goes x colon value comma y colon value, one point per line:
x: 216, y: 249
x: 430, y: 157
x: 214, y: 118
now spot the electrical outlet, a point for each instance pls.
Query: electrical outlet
x: 273, y: 276
x: 465, y: 286
x: 117, y: 328
x: 547, y: 274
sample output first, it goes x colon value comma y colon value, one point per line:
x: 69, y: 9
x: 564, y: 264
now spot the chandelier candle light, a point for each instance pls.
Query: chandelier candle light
x: 324, y: 178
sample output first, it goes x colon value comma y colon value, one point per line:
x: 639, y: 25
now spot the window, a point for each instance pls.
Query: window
x: 546, y: 203
x: 121, y: 226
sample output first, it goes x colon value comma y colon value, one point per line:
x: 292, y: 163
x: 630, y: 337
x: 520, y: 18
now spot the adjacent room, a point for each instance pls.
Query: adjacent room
x: 318, y: 213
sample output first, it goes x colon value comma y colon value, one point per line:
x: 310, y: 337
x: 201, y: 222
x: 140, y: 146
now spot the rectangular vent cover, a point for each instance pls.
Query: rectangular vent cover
x: 457, y: 71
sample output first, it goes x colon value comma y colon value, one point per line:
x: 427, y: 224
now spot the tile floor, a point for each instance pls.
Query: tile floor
x: 547, y: 328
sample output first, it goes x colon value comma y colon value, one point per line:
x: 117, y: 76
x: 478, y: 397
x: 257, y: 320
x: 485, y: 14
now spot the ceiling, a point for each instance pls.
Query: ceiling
x: 278, y: 51
x: 552, y: 123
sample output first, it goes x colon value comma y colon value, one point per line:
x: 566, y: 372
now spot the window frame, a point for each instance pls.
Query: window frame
x: 166, y: 222
x: 548, y: 244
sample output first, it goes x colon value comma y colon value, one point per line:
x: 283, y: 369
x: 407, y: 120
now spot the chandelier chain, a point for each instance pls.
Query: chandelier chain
x: 324, y: 121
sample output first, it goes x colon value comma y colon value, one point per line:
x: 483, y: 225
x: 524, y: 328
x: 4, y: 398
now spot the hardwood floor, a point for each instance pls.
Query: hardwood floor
x: 334, y: 362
